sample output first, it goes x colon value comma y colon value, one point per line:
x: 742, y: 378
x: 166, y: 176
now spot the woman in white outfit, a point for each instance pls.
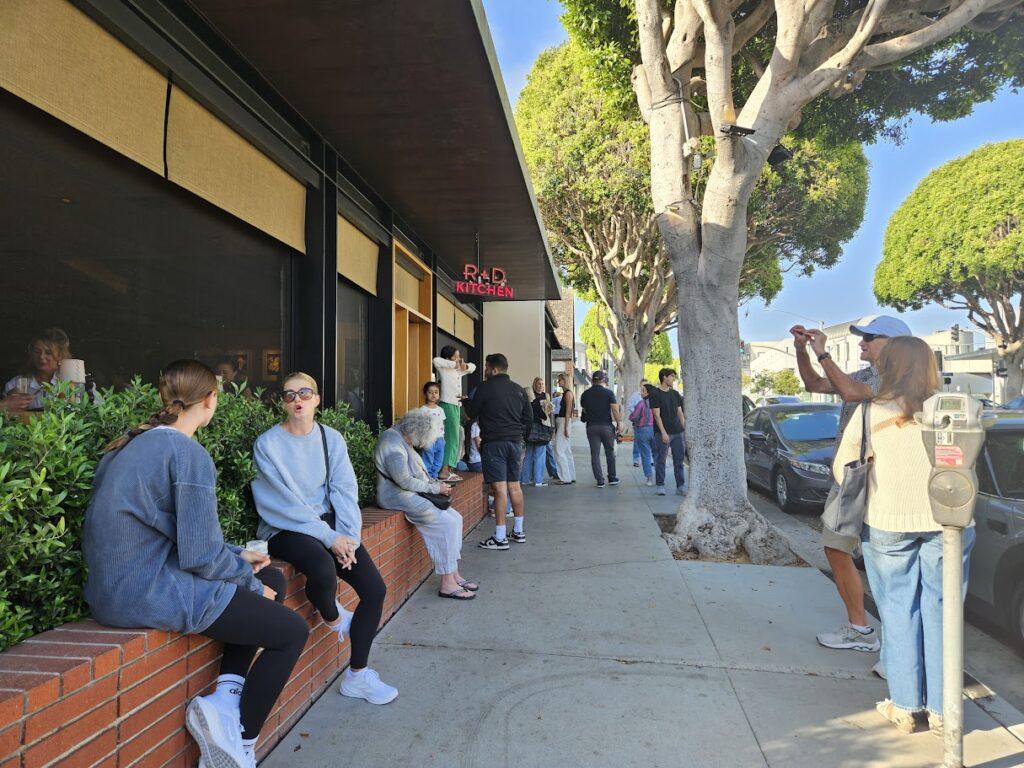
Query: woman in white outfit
x: 401, y: 477
x: 450, y: 369
x: 563, y: 424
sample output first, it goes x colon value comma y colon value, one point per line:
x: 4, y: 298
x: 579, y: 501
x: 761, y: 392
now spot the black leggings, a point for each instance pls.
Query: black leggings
x: 312, y: 559
x: 248, y: 623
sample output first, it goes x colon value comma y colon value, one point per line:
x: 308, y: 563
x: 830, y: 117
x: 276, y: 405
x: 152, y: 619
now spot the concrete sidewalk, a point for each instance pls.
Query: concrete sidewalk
x: 590, y: 646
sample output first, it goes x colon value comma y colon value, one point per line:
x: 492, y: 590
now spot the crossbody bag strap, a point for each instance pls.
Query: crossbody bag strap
x: 327, y: 468
x: 864, y: 431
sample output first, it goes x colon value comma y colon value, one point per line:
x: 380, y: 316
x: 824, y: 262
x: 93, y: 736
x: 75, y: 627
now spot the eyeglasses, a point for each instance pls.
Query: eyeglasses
x: 869, y: 337
x: 289, y: 395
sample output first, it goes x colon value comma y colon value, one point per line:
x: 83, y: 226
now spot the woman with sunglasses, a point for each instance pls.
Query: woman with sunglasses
x: 308, y: 501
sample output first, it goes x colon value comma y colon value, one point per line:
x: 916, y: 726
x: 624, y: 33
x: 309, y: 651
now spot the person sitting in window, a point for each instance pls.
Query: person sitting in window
x: 401, y: 477
x: 230, y: 379
x: 308, y: 502
x: 26, y: 391
x: 157, y: 559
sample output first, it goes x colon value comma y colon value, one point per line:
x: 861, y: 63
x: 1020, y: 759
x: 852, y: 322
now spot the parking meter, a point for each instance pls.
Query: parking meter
x: 953, y: 432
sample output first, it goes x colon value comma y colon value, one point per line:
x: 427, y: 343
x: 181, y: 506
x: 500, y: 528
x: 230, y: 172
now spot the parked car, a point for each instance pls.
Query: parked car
x: 986, y: 403
x: 1016, y: 404
x: 778, y: 400
x: 748, y: 405
x: 996, y: 585
x: 789, y: 450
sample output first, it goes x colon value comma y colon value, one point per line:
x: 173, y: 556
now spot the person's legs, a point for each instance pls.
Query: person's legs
x: 637, y: 455
x: 849, y: 584
x: 526, y: 469
x: 661, y: 453
x: 314, y: 561
x: 549, y: 460
x: 678, y: 446
x: 594, y: 440
x: 366, y: 580
x: 539, y: 456
x: 563, y: 453
x: 434, y: 456
x: 643, y: 442
x: 452, y: 417
x: 894, y: 569
x: 608, y: 440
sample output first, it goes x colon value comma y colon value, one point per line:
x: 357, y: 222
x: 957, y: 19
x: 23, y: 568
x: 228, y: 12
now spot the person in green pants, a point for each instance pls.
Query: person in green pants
x: 450, y: 369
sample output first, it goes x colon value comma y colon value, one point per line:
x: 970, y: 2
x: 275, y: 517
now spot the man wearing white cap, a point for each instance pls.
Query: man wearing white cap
x: 854, y: 389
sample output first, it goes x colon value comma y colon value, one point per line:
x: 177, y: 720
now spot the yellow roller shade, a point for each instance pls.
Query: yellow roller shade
x: 463, y: 326
x: 357, y: 256
x: 407, y: 288
x: 207, y: 157
x: 445, y: 315
x: 57, y: 58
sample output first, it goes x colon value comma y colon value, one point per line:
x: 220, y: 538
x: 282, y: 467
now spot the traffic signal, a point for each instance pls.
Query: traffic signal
x: 954, y: 333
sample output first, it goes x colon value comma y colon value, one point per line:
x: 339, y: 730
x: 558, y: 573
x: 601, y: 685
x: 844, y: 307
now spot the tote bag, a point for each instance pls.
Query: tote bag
x: 845, y: 510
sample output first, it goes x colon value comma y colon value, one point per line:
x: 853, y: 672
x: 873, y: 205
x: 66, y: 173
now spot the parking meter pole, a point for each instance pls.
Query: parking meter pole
x: 952, y: 646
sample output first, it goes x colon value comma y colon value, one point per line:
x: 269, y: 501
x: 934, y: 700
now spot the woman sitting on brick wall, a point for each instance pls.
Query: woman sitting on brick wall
x: 401, y: 477
x: 308, y: 501
x: 157, y: 559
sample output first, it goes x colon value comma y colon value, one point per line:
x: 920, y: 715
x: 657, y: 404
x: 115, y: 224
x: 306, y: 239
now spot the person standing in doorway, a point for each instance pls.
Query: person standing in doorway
x: 631, y: 404
x: 563, y: 421
x: 433, y: 455
x: 669, y: 422
x: 450, y: 369
x: 853, y: 389
x: 600, y: 409
x: 504, y: 414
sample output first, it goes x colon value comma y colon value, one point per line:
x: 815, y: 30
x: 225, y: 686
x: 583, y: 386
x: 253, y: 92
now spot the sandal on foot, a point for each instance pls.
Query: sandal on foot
x: 452, y: 478
x: 460, y: 594
x: 935, y: 724
x: 469, y: 585
x: 901, y: 718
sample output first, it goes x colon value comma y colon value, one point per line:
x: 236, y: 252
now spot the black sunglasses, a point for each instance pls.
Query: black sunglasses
x: 289, y: 395
x: 869, y: 337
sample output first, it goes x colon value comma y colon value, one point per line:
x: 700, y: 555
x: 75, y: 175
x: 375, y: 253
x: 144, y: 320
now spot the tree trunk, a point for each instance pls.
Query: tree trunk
x: 631, y: 370
x: 1014, y: 373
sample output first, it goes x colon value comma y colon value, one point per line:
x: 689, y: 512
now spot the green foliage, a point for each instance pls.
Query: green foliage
x: 592, y: 335
x: 960, y: 233
x: 46, y: 472
x: 661, y: 351
x: 783, y: 382
x: 651, y: 370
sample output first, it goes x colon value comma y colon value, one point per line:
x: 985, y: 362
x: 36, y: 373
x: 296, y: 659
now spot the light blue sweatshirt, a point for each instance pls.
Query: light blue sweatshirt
x: 290, y: 490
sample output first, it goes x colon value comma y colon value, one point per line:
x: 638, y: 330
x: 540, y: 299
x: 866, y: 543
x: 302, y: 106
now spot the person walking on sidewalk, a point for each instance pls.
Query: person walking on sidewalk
x: 450, y: 369
x: 642, y: 419
x: 631, y: 404
x: 600, y: 409
x: 853, y: 389
x: 669, y: 421
x: 902, y: 542
x: 504, y: 414
x: 564, y: 461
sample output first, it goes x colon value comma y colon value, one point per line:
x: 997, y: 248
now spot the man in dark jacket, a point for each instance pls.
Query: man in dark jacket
x: 503, y: 411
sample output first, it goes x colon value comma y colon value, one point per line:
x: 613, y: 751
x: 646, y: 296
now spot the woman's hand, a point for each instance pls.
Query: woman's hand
x: 445, y: 489
x: 344, y: 551
x: 257, y: 560
x: 269, y: 593
x: 16, y: 401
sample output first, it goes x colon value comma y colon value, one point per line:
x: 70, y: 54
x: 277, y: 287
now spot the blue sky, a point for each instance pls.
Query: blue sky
x: 523, y: 28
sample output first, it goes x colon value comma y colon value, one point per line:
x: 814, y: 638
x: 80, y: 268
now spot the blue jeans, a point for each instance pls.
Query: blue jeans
x: 643, y: 444
x: 677, y: 445
x: 905, y: 573
x: 433, y: 456
x: 533, y: 464
x: 549, y: 459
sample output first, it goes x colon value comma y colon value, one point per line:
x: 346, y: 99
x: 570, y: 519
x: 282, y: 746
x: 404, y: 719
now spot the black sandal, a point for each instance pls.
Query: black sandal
x: 457, y: 595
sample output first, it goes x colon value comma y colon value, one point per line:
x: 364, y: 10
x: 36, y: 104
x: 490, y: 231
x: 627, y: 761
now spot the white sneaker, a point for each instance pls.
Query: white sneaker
x: 650, y: 482
x: 662, y: 491
x: 850, y: 638
x: 879, y: 669
x: 218, y: 734
x: 366, y: 685
x: 346, y: 621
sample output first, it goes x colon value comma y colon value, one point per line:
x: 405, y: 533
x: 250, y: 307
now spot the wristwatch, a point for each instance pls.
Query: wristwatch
x: 824, y: 356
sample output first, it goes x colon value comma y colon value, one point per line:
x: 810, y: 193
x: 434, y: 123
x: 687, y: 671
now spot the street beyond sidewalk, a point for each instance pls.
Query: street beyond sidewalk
x: 591, y: 646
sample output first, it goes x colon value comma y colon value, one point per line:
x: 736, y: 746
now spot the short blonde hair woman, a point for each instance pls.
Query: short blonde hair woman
x: 45, y: 352
x: 902, y: 543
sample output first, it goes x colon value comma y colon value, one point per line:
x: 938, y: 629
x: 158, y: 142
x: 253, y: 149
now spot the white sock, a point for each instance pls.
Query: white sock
x: 517, y: 524
x: 499, y: 532
x: 862, y: 630
x: 228, y: 693
x: 356, y: 672
x: 249, y: 745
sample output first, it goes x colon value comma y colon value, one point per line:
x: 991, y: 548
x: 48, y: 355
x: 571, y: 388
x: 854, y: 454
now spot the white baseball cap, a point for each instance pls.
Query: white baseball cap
x: 882, y: 325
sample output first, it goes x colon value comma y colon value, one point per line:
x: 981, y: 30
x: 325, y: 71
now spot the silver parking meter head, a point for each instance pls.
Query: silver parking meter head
x: 953, y: 434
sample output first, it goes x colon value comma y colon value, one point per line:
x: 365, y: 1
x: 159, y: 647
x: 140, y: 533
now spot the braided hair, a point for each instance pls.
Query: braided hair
x: 182, y: 384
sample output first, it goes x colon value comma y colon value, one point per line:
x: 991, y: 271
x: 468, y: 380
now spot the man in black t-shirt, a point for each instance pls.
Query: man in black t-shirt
x: 600, y: 409
x: 669, y: 422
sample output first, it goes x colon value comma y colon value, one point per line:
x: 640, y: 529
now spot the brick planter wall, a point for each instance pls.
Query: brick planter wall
x: 84, y: 695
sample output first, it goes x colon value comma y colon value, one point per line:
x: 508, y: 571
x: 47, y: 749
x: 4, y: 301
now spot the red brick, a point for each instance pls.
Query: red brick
x: 104, y: 659
x: 154, y: 638
x: 132, y: 644
x: 151, y: 688
x: 70, y: 708
x: 92, y: 755
x: 74, y: 673
x: 12, y: 707
x: 201, y: 679
x: 153, y: 662
x: 11, y: 739
x: 144, y: 717
x: 14, y: 762
x: 161, y: 735
x: 200, y: 658
x: 40, y: 689
x: 69, y: 737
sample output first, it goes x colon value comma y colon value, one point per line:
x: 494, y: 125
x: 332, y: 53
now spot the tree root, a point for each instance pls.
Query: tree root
x: 724, y: 535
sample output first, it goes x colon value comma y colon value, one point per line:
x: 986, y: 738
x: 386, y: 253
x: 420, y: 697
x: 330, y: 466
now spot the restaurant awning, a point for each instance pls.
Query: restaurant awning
x: 410, y: 95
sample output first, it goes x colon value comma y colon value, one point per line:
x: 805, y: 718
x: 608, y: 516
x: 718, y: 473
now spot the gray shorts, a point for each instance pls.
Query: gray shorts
x: 832, y: 540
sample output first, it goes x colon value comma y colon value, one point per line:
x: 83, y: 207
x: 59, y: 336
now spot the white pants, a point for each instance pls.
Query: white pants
x: 443, y: 539
x: 563, y: 451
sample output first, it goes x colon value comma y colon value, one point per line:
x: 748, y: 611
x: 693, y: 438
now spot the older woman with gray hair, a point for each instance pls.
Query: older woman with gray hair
x: 401, y: 477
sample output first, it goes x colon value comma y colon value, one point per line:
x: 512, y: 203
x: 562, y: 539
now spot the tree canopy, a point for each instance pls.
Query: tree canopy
x: 661, y: 351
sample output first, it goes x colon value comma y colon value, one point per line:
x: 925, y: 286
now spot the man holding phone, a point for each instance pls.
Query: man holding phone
x: 853, y: 389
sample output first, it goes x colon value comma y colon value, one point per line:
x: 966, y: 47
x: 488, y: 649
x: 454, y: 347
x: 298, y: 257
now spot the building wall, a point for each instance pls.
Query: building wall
x: 516, y: 330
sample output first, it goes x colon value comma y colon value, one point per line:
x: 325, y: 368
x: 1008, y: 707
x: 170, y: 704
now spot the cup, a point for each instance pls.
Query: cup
x: 259, y: 546
x: 22, y: 384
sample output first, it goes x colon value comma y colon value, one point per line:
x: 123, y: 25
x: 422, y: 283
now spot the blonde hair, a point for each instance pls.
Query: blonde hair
x: 55, y: 340
x: 304, y: 377
x: 909, y: 374
x: 182, y: 384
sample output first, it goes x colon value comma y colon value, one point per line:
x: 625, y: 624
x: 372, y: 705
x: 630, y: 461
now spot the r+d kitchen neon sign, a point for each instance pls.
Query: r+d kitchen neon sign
x: 491, y: 282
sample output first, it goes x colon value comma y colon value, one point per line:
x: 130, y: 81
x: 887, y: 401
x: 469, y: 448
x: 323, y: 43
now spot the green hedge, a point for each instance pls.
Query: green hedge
x: 46, y: 471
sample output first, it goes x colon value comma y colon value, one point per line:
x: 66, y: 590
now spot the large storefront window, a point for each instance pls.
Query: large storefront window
x: 134, y: 270
x: 353, y: 347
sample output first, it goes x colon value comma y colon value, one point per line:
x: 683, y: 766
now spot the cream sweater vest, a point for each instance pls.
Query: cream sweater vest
x: 898, y: 484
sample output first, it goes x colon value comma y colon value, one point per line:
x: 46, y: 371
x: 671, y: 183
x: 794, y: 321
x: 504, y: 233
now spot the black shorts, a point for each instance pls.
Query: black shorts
x: 502, y: 460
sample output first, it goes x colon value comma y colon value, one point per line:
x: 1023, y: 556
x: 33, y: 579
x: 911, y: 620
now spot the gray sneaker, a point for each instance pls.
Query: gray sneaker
x: 850, y: 638
x: 661, y: 491
x: 218, y: 734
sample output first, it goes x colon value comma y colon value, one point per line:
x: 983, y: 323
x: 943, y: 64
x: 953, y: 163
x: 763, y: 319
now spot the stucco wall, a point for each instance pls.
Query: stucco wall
x: 516, y: 330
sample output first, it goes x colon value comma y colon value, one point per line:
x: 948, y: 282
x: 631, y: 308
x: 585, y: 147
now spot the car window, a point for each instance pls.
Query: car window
x: 763, y: 424
x: 748, y: 423
x: 808, y: 425
x: 986, y: 483
x: 1006, y: 454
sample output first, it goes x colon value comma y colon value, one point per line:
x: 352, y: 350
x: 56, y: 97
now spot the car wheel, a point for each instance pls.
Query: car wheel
x: 1015, y: 617
x: 783, y: 491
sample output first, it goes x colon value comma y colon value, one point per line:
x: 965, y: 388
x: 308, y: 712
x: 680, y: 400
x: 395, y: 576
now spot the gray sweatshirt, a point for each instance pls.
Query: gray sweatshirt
x: 152, y: 540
